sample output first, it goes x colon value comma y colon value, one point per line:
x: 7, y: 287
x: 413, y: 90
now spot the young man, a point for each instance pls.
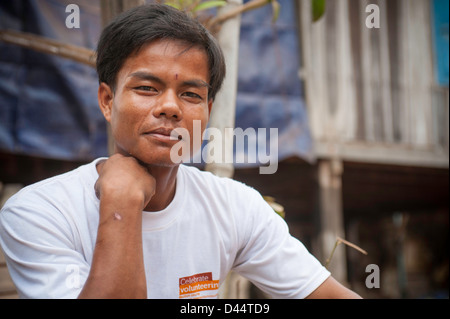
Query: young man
x: 138, y: 225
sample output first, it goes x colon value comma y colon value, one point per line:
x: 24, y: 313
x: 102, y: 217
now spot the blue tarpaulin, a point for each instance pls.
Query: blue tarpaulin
x: 48, y: 104
x: 270, y: 93
x: 440, y: 12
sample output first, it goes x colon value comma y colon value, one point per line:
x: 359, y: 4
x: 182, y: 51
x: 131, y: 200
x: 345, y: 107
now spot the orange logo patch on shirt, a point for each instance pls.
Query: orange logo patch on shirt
x: 198, y: 286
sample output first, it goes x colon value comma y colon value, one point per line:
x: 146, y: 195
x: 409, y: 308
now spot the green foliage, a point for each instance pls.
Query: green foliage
x: 275, y: 206
x: 276, y: 10
x: 209, y: 4
x: 194, y: 6
x: 318, y: 9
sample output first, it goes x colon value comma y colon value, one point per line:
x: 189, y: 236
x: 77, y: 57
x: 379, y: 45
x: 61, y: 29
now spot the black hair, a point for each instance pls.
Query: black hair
x: 139, y: 26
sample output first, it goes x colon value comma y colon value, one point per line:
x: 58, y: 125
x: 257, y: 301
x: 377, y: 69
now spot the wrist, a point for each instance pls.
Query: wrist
x: 122, y: 198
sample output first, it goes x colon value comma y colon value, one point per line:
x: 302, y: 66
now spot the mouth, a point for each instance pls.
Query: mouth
x: 164, y: 134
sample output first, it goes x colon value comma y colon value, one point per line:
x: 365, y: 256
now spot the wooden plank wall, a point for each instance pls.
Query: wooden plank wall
x: 374, y: 86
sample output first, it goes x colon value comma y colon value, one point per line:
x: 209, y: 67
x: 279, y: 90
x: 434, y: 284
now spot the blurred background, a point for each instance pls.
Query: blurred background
x: 360, y: 98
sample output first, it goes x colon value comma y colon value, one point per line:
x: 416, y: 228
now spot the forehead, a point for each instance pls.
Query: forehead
x: 168, y: 56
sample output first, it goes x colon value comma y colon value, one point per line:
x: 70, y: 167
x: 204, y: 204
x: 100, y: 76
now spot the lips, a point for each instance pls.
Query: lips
x: 163, y: 133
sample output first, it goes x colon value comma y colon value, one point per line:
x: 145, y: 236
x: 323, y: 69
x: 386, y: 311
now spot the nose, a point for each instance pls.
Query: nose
x: 168, y: 106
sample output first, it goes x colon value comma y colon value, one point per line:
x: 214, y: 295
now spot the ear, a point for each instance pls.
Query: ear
x: 105, y: 100
x: 210, y: 103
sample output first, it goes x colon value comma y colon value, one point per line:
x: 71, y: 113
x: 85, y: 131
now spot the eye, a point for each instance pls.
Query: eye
x: 145, y: 88
x: 192, y: 95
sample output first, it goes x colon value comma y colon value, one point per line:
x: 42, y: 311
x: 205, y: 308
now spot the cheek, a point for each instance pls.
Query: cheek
x: 124, y: 120
x: 126, y: 109
x: 196, y: 125
x: 199, y: 120
x: 118, y: 121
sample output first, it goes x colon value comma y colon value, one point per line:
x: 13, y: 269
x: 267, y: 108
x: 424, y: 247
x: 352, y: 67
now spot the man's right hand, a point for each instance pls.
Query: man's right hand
x: 124, y: 188
x: 123, y: 176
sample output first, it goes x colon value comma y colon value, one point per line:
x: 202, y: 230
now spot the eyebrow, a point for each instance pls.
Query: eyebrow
x: 151, y: 77
x: 146, y: 76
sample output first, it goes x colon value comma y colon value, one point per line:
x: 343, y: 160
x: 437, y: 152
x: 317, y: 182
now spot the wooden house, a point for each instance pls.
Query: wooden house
x: 380, y: 128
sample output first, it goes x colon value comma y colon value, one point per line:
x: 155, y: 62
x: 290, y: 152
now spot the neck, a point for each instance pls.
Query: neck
x: 166, y: 178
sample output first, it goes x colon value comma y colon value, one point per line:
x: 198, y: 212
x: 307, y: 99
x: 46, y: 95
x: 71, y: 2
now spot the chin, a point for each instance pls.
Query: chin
x: 157, y: 161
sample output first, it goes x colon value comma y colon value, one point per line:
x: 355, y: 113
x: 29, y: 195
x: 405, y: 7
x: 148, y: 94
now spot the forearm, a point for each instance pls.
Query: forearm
x: 117, y: 269
x: 332, y: 289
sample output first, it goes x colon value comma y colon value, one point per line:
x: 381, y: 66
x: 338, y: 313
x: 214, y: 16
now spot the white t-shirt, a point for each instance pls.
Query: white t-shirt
x: 213, y: 225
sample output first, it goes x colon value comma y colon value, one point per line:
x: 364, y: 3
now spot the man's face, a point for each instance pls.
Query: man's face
x: 162, y: 87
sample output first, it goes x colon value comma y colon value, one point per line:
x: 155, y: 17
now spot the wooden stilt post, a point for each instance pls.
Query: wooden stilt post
x: 331, y: 216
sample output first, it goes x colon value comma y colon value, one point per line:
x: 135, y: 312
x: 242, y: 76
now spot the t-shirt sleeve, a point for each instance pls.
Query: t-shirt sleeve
x: 38, y: 245
x: 271, y: 258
